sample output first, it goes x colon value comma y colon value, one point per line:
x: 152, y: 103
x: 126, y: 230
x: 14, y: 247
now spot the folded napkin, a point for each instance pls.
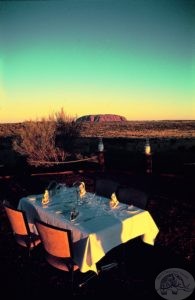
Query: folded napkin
x: 113, y: 201
x: 45, y: 198
x: 82, y: 190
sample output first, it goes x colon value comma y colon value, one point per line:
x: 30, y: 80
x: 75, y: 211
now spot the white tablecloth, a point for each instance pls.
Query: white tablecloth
x: 97, y: 229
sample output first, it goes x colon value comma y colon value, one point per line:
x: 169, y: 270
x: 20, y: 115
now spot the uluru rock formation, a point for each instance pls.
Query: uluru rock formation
x: 101, y: 118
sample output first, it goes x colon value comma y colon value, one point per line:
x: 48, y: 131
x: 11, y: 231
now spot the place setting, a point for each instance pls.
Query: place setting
x: 32, y: 198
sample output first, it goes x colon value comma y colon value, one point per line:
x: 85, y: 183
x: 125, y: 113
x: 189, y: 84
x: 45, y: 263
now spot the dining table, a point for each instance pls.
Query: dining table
x: 95, y: 226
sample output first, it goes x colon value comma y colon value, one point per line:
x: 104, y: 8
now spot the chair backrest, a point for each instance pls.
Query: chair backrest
x: 17, y: 220
x: 20, y: 228
x: 105, y: 187
x: 132, y: 196
x: 56, y: 241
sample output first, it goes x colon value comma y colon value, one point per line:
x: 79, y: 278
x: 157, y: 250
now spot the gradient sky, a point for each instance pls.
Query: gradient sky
x: 134, y: 58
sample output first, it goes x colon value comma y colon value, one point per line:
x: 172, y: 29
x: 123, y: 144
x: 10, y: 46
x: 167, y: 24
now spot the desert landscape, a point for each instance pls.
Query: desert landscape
x: 128, y: 129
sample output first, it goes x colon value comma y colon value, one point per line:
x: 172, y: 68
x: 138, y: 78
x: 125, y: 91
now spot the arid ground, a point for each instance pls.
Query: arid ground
x: 135, y: 129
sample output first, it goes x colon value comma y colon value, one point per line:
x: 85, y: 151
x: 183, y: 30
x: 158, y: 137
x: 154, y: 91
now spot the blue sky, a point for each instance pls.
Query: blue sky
x: 133, y: 58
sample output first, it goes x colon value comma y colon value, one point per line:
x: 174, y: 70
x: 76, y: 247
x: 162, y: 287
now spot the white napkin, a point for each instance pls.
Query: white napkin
x: 82, y: 190
x: 113, y: 201
x: 45, y: 198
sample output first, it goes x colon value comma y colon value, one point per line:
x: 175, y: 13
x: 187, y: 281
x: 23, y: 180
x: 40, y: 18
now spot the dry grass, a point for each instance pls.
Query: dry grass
x: 140, y: 129
x: 128, y: 129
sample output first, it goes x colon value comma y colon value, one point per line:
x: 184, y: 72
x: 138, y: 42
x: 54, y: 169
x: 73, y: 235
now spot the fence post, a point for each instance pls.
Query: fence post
x: 148, y: 155
x: 101, y: 159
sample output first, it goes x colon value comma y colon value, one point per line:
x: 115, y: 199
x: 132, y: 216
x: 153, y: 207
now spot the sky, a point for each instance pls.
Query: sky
x: 134, y: 58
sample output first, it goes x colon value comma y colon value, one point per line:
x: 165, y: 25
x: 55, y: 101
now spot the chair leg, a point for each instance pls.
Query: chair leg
x: 89, y: 277
x: 72, y: 280
x: 109, y: 266
x: 123, y: 270
x: 102, y: 269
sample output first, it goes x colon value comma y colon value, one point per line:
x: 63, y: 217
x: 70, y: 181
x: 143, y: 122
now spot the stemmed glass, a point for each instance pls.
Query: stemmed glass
x: 74, y: 211
x: 76, y: 185
x: 52, y: 187
x: 73, y: 214
x: 101, y: 206
x: 80, y: 191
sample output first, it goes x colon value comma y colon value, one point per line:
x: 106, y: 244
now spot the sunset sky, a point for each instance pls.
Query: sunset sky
x: 134, y: 58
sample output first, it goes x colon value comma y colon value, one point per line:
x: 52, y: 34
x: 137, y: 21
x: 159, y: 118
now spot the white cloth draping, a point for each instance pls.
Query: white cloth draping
x: 97, y: 228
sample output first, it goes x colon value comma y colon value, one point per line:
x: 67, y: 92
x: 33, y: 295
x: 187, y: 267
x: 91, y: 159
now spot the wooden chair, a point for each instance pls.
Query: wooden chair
x: 57, y: 244
x: 20, y: 228
x: 105, y: 187
x: 132, y: 196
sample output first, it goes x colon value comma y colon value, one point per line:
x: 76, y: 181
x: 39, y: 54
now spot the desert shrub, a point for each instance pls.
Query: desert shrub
x: 66, y: 124
x: 9, y: 129
x: 37, y: 139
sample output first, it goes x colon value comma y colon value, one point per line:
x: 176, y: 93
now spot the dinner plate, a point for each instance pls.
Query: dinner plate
x: 44, y: 205
x: 32, y: 198
x: 132, y: 207
x: 62, y: 211
x: 133, y: 211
